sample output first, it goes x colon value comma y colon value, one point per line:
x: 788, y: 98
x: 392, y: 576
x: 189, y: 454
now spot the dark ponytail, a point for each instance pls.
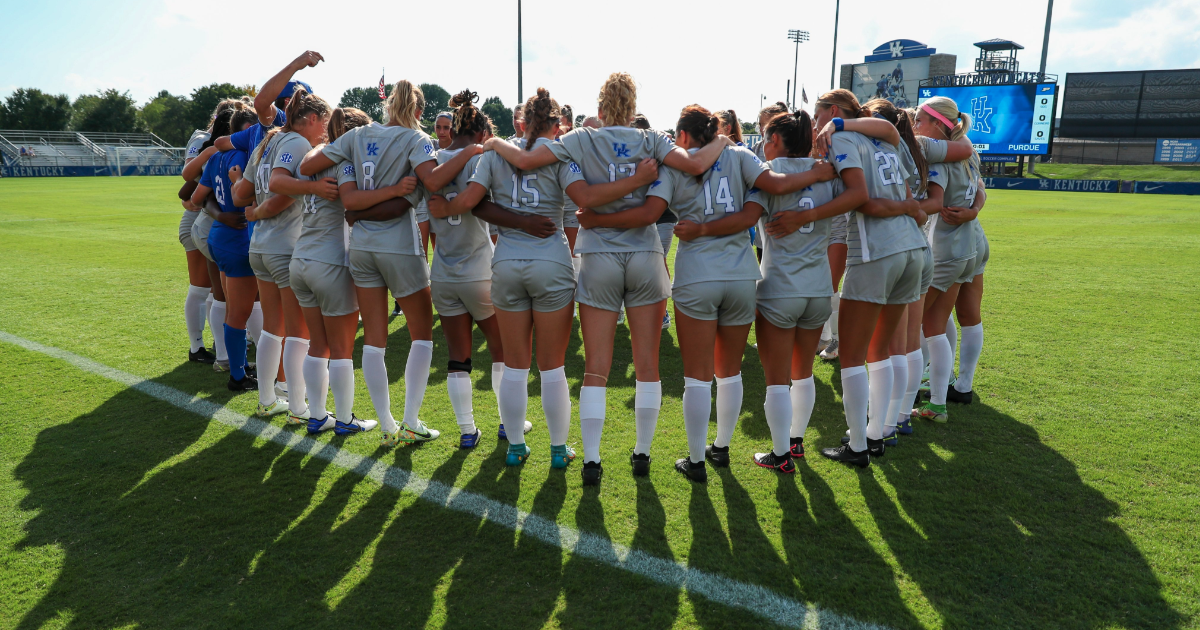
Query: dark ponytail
x: 699, y: 123
x: 886, y: 110
x: 468, y: 120
x: 541, y: 114
x: 796, y: 131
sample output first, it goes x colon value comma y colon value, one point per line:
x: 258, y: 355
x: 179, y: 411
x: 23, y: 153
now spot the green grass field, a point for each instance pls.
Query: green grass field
x: 1141, y: 172
x: 1067, y: 497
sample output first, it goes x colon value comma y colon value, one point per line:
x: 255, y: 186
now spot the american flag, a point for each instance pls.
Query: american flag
x: 803, y: 95
x: 382, y: 93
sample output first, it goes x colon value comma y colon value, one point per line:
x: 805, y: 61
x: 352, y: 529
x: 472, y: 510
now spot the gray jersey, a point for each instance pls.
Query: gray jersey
x: 324, y: 236
x: 872, y: 238
x: 278, y: 234
x: 382, y: 156
x: 955, y: 242
x: 463, y: 250
x: 796, y: 265
x: 712, y: 196
x: 199, y: 137
x: 604, y: 155
x: 539, y: 191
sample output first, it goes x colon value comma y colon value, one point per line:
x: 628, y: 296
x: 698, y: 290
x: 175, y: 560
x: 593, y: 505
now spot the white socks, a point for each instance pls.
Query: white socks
x: 458, y: 385
x: 514, y: 400
x: 295, y: 349
x: 592, y: 408
x: 880, y: 396
x: 647, y: 401
x: 375, y: 374
x: 778, y: 407
x: 729, y: 407
x: 941, y: 360
x: 341, y: 381
x: 316, y: 376
x: 216, y: 323
x: 834, y: 302
x: 968, y: 356
x: 804, y: 397
x: 254, y: 324
x: 952, y: 334
x: 497, y: 376
x: 416, y: 378
x: 193, y: 314
x: 556, y: 404
x: 855, y: 392
x: 916, y: 365
x: 697, y: 407
x: 899, y: 384
x: 270, y: 349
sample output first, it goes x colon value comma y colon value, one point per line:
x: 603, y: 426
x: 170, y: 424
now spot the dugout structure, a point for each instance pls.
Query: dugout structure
x: 1147, y: 104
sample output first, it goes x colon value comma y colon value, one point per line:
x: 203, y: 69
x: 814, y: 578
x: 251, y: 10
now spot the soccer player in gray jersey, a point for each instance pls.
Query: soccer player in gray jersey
x: 617, y: 265
x: 883, y: 274
x: 968, y: 308
x: 533, y: 280
x: 385, y: 245
x: 195, y: 305
x: 715, y: 274
x: 320, y: 279
x: 461, y: 274
x: 952, y: 237
x: 794, y: 294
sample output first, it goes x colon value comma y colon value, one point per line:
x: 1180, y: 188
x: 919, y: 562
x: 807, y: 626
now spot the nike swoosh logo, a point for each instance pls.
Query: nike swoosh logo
x: 1149, y: 188
x: 1011, y: 184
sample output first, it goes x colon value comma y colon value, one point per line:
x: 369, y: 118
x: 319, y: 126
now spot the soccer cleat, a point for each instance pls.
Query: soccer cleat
x: 202, y: 356
x: 666, y: 321
x: 592, y: 472
x: 247, y: 384
x: 281, y: 388
x: 396, y: 311
x: 356, y: 425
x: 420, y: 434
x: 221, y: 366
x: 388, y: 439
x: 830, y: 352
x: 847, y: 455
x: 797, y: 449
x: 321, y: 425
x: 641, y: 464
x: 822, y: 344
x: 846, y: 437
x: 621, y: 317
x: 904, y: 427
x: 717, y: 455
x: 930, y: 411
x: 517, y: 454
x: 770, y: 460
x: 279, y: 405
x: 561, y: 456
x: 470, y: 440
x: 298, y: 418
x: 252, y: 369
x: 874, y: 447
x: 957, y: 397
x: 694, y: 471
x: 893, y: 438
x: 504, y: 436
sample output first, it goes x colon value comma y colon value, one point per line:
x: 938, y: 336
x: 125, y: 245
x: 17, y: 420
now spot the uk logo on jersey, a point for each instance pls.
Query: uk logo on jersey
x: 348, y: 170
x: 717, y: 166
x: 656, y: 183
x: 575, y: 168
x: 372, y: 148
x: 933, y: 173
x: 286, y: 158
x: 428, y: 149
x: 874, y: 141
x: 842, y: 157
x: 193, y: 150
x: 620, y: 149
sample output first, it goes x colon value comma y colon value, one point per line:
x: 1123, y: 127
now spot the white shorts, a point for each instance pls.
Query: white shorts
x: 200, y: 239
x: 402, y: 274
x: 325, y: 286
x: 730, y: 302
x: 272, y: 268
x: 185, y: 230
x: 608, y: 279
x: 894, y: 279
x: 796, y: 312
x: 948, y: 274
x: 458, y: 298
x: 542, y: 285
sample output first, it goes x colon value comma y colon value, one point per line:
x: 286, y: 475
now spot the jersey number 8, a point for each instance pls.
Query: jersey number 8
x: 454, y: 219
x: 368, y: 169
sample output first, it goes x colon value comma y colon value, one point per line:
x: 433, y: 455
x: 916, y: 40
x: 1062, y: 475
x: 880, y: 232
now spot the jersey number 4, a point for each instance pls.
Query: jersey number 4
x: 723, y: 196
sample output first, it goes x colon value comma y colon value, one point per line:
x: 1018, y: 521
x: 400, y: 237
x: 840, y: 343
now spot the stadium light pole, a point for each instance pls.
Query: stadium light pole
x: 837, y: 9
x: 798, y: 37
x: 520, y: 92
x: 1046, y: 37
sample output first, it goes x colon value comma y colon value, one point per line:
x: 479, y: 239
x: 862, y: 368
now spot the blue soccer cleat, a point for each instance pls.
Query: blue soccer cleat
x: 321, y: 425
x: 517, y: 454
x: 356, y: 425
x: 470, y: 440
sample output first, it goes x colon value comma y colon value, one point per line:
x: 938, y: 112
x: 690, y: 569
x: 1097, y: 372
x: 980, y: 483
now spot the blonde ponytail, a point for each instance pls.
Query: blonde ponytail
x: 404, y: 105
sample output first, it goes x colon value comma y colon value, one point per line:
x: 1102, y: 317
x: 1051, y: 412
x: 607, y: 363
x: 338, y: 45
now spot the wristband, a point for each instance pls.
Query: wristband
x: 838, y: 123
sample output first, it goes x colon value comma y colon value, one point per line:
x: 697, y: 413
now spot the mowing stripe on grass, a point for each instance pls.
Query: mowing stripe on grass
x: 719, y: 589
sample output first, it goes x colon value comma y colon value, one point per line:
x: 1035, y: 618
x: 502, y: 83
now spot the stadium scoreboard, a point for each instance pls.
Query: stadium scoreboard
x: 1005, y: 119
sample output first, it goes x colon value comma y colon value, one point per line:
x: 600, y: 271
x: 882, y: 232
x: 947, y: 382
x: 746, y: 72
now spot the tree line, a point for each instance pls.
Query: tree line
x: 173, y: 117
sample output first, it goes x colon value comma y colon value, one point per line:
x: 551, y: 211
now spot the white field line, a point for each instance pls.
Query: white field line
x: 716, y: 588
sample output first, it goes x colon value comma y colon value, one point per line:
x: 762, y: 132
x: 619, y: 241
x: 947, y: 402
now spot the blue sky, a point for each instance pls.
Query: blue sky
x: 719, y: 54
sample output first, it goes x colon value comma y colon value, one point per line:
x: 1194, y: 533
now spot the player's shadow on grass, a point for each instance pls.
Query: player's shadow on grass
x: 997, y: 529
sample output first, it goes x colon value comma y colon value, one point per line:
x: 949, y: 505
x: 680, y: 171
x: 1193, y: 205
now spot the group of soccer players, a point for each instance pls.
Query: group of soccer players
x: 301, y: 218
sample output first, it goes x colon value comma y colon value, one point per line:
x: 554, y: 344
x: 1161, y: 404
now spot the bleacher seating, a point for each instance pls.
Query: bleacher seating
x: 68, y: 148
